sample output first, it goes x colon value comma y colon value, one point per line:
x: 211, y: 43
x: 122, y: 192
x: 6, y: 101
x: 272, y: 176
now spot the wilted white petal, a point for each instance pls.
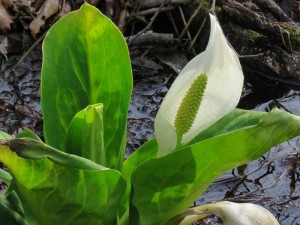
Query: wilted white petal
x: 224, y: 87
x: 240, y: 213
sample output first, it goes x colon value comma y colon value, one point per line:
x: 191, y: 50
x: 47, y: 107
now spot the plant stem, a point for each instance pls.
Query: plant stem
x: 124, y: 219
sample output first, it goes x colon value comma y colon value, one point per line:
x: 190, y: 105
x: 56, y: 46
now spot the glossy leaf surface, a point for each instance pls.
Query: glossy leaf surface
x: 85, y: 62
x: 235, y: 120
x: 61, y: 187
x: 85, y: 134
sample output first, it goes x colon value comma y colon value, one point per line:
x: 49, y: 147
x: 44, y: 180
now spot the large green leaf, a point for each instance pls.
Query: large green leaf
x: 60, y: 188
x: 12, y: 208
x: 145, y: 152
x: 85, y: 134
x: 86, y: 61
x: 237, y: 119
x: 164, y: 187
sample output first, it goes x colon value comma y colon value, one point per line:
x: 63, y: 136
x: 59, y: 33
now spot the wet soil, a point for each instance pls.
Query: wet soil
x: 19, y: 95
x: 271, y: 181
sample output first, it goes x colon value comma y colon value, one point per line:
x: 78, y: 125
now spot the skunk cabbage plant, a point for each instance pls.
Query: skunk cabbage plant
x: 213, y: 79
x: 78, y: 176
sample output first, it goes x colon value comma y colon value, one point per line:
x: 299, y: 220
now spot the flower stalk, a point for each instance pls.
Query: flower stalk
x: 189, y: 107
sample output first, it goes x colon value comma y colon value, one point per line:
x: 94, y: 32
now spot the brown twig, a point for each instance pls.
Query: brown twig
x: 284, y: 173
x: 251, y: 56
x: 149, y: 24
x: 186, y: 27
x: 38, y: 41
x: 25, y: 54
x: 151, y: 38
x: 185, y: 24
x: 173, y: 24
x: 154, y: 3
x: 153, y: 10
x: 197, y: 35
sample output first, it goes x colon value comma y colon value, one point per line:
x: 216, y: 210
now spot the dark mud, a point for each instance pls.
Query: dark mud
x: 19, y: 96
x: 271, y: 181
x: 147, y: 95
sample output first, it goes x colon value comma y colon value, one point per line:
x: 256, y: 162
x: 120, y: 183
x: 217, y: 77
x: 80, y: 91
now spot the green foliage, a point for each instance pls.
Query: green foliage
x: 74, y: 189
x: 5, y: 176
x: 78, y: 177
x: 85, y: 135
x: 11, y: 209
x: 85, y: 62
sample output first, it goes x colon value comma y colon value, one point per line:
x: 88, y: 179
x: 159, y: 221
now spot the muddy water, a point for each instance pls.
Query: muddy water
x: 271, y: 181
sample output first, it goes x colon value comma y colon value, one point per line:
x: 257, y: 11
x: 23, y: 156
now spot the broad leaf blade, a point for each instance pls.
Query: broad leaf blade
x: 86, y: 61
x: 147, y: 151
x: 237, y: 119
x: 11, y: 207
x: 179, y: 178
x: 85, y: 134
x: 73, y: 189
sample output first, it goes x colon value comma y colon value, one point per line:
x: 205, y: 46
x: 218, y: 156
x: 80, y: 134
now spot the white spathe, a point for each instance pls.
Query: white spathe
x: 240, y: 213
x: 224, y: 87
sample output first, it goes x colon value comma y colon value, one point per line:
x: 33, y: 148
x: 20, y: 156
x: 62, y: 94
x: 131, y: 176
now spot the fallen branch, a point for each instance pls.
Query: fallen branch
x: 153, y: 10
x: 186, y: 27
x: 150, y: 38
x: 144, y: 4
x: 149, y: 24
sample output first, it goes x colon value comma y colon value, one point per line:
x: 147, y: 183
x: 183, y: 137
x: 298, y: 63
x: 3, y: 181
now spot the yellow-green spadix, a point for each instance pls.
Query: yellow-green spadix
x: 239, y: 213
x: 220, y: 95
